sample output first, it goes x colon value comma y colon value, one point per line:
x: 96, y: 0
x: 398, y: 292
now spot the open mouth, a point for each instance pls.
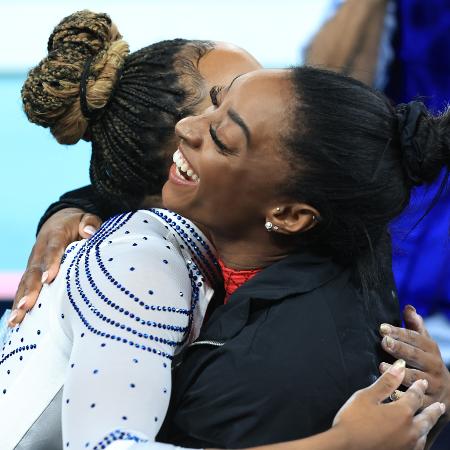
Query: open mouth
x: 183, y: 168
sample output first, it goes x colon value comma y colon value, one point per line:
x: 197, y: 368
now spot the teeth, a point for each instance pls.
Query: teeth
x: 183, y: 166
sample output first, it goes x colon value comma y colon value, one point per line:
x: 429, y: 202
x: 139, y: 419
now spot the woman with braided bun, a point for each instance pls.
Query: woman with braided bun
x: 99, y: 343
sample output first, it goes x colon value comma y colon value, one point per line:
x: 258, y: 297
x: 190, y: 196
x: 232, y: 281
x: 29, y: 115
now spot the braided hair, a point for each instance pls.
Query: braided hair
x: 89, y: 86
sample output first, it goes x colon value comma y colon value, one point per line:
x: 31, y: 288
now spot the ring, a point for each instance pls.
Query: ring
x: 396, y: 395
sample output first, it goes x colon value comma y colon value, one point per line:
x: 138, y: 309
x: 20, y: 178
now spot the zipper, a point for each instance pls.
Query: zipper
x: 213, y: 343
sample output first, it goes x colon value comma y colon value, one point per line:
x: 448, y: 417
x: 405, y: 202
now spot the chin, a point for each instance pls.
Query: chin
x: 172, y: 200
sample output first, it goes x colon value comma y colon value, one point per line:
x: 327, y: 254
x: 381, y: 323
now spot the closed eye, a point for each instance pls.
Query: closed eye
x: 220, y: 145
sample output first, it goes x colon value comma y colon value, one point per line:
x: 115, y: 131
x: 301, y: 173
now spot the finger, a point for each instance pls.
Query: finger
x: 410, y: 337
x: 396, y: 395
x: 30, y: 286
x: 411, y: 375
x: 89, y: 224
x: 414, y: 321
x: 420, y: 445
x: 388, y: 382
x: 426, y: 419
x: 51, y: 260
x: 414, y: 357
x: 414, y: 396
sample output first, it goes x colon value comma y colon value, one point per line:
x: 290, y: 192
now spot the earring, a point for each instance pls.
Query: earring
x: 278, y: 209
x: 269, y: 226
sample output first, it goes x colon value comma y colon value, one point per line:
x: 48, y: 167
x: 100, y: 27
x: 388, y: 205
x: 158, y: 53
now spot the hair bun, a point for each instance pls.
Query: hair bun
x: 424, y: 141
x: 92, y: 32
x: 51, y: 92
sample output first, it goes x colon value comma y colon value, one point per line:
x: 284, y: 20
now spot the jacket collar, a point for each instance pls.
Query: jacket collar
x: 296, y: 274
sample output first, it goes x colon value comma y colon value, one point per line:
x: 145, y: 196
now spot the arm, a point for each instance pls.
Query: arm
x: 364, y: 422
x: 421, y: 353
x: 349, y: 42
x: 83, y: 199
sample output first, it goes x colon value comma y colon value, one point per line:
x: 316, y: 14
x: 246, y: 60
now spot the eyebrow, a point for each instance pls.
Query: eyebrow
x: 237, y: 119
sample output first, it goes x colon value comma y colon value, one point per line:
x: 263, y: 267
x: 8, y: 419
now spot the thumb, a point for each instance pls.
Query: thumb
x: 89, y: 224
x: 388, y: 382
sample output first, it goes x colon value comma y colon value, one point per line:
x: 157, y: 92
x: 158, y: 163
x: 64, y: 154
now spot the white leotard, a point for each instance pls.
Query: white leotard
x: 100, y: 340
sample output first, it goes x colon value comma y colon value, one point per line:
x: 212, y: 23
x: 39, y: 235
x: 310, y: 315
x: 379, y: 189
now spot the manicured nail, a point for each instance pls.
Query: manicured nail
x: 89, y: 229
x: 385, y: 329
x: 397, y: 367
x: 44, y: 277
x: 389, y: 342
x: 12, y: 317
x: 442, y: 405
x: 22, y: 302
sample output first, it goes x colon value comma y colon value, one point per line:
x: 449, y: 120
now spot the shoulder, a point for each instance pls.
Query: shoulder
x: 130, y: 254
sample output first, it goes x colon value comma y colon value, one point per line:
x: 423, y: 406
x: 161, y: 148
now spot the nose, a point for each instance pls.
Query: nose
x: 189, y: 130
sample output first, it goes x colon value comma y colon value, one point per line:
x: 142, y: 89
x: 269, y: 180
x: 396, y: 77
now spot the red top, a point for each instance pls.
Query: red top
x: 234, y: 278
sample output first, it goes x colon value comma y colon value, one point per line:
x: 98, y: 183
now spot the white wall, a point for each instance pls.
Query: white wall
x: 273, y: 31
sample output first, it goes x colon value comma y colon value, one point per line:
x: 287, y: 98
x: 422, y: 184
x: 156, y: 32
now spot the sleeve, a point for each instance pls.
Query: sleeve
x: 128, y: 310
x: 84, y: 198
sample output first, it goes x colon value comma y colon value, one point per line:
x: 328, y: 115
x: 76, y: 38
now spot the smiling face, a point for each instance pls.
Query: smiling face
x: 230, y: 166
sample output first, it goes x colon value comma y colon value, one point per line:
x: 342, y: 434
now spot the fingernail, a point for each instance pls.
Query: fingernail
x: 425, y: 384
x: 89, y: 229
x: 411, y: 308
x: 442, y: 405
x: 12, y: 317
x: 384, y: 366
x: 44, y: 277
x: 385, y: 329
x: 397, y: 367
x: 22, y: 302
x: 389, y: 342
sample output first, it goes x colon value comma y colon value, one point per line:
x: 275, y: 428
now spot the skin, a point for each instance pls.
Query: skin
x: 349, y: 42
x: 405, y: 431
x: 219, y: 66
x: 238, y: 176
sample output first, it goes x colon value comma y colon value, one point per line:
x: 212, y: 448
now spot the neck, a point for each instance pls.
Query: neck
x: 245, y: 252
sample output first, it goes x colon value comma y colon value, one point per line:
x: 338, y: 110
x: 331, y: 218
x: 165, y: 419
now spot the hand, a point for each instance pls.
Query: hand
x: 61, y: 229
x: 369, y: 424
x: 421, y: 353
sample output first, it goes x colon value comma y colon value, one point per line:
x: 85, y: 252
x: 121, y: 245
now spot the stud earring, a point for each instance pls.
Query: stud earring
x: 278, y: 209
x: 270, y: 226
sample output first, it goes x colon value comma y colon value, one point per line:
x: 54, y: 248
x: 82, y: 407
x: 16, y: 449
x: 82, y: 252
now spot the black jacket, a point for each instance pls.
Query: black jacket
x: 86, y: 199
x: 279, y: 359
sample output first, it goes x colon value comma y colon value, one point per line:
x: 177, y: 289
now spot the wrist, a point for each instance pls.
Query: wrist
x: 340, y: 438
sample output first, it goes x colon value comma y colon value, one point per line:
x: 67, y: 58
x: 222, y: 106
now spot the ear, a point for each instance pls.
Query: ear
x: 293, y: 218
